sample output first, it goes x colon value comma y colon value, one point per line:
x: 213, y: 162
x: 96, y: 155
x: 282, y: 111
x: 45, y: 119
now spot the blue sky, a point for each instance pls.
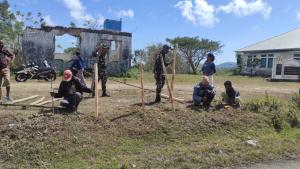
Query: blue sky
x: 236, y: 23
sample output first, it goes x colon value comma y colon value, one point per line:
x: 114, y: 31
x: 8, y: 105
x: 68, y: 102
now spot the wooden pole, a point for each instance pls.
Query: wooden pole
x: 38, y: 101
x: 96, y: 89
x: 153, y: 91
x: 167, y: 81
x: 142, y: 85
x: 49, y: 101
x: 25, y: 99
x: 174, y: 69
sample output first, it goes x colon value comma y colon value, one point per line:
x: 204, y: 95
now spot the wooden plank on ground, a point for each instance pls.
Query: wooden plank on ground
x: 26, y: 106
x: 25, y: 99
x: 48, y: 101
x: 38, y: 101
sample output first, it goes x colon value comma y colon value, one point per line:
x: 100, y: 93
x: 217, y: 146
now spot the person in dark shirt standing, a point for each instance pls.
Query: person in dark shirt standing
x: 100, y: 53
x: 77, y: 67
x: 209, y: 68
x: 71, y: 90
x: 159, y: 72
x: 6, y: 58
x: 230, y: 97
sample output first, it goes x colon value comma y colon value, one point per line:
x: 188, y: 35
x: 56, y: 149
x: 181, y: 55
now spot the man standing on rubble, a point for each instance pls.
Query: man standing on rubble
x: 158, y: 71
x: 100, y: 53
x: 6, y: 58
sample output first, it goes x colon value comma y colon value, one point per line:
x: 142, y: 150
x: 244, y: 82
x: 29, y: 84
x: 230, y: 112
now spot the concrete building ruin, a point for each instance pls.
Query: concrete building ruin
x: 39, y: 45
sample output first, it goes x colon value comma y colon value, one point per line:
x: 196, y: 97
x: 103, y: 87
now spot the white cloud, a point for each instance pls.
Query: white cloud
x: 298, y: 15
x: 125, y: 13
x: 199, y: 12
x: 78, y: 12
x: 49, y: 21
x: 243, y: 8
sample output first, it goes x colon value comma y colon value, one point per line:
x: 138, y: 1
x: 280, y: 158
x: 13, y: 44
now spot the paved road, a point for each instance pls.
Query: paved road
x: 289, y: 164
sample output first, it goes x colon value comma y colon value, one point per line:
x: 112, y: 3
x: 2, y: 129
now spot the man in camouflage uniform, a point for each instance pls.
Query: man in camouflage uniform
x: 159, y: 72
x: 100, y: 53
x: 6, y: 58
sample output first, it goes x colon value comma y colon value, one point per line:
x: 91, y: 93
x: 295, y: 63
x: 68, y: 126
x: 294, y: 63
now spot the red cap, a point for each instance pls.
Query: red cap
x: 67, y: 76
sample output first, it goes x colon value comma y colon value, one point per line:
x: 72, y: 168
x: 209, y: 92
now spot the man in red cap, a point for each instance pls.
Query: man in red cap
x: 71, y: 90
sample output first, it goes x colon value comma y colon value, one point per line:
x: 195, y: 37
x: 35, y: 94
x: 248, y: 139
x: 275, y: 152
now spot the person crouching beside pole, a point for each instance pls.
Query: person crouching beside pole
x: 71, y: 90
x: 204, y: 93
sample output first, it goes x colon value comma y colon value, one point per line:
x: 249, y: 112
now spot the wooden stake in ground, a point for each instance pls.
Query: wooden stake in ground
x: 96, y: 89
x: 142, y: 85
x: 167, y: 81
x: 174, y: 69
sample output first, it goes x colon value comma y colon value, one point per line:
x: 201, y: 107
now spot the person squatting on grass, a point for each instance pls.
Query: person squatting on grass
x: 71, y: 90
x: 209, y: 68
x: 77, y: 67
x: 230, y: 97
x: 100, y: 53
x: 203, y: 93
x: 159, y: 72
x: 6, y: 58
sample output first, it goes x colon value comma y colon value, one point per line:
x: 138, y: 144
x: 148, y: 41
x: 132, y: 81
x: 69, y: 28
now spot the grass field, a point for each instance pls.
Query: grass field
x: 126, y: 137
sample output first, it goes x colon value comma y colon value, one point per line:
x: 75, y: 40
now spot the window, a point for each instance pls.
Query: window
x: 263, y: 61
x: 250, y: 60
x: 278, y: 69
x: 297, y: 56
x: 270, y: 60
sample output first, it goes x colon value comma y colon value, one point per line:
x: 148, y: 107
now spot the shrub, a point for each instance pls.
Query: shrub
x: 292, y: 118
x: 296, y: 100
x: 277, y: 122
x: 131, y: 73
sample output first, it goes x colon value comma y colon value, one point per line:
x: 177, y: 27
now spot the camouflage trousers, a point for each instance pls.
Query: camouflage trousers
x: 160, y: 82
x: 102, y: 75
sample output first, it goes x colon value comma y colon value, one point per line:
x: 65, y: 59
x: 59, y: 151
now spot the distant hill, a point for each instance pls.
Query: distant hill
x: 227, y: 65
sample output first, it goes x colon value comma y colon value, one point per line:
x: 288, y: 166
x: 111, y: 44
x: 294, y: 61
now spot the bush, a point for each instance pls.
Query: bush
x: 292, y: 118
x: 296, y: 100
x: 131, y: 73
x: 277, y: 122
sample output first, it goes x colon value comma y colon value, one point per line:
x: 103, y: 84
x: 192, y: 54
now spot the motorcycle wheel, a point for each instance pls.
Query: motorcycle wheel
x: 21, y: 77
x: 51, y: 76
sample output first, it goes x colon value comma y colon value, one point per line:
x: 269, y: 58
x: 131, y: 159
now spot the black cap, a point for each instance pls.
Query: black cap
x: 166, y: 47
x: 227, y: 83
x: 104, y: 46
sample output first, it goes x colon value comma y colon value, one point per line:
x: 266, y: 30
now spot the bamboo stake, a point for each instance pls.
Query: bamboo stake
x: 153, y: 91
x: 142, y: 85
x: 174, y: 69
x: 167, y: 81
x: 38, y: 101
x: 96, y: 90
x: 26, y: 99
x: 49, y: 101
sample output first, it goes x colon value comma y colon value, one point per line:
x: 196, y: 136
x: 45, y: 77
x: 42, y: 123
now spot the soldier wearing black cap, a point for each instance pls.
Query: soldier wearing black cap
x: 100, y: 53
x: 158, y: 71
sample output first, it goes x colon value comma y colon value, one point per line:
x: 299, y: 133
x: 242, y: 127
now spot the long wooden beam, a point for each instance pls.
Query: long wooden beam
x: 49, y: 101
x: 179, y: 100
x: 38, y: 101
x: 25, y: 99
x: 26, y: 105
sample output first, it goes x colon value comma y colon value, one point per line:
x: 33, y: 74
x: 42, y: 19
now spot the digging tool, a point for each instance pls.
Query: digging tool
x: 174, y: 69
x: 52, y: 98
x: 142, y: 85
x: 167, y: 81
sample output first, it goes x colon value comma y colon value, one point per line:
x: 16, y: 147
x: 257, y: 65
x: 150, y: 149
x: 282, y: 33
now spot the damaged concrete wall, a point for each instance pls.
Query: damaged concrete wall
x: 39, y: 45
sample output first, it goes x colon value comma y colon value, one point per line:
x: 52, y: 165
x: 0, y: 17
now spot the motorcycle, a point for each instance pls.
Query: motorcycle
x: 33, y: 71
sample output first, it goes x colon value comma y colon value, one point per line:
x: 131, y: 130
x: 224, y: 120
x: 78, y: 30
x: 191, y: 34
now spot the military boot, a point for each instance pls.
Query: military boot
x: 157, y: 99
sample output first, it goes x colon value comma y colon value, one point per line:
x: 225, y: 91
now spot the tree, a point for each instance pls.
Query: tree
x: 71, y: 50
x: 139, y: 56
x: 194, y: 50
x: 72, y: 25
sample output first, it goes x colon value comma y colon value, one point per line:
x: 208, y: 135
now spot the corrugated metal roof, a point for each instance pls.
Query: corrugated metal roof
x: 286, y: 41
